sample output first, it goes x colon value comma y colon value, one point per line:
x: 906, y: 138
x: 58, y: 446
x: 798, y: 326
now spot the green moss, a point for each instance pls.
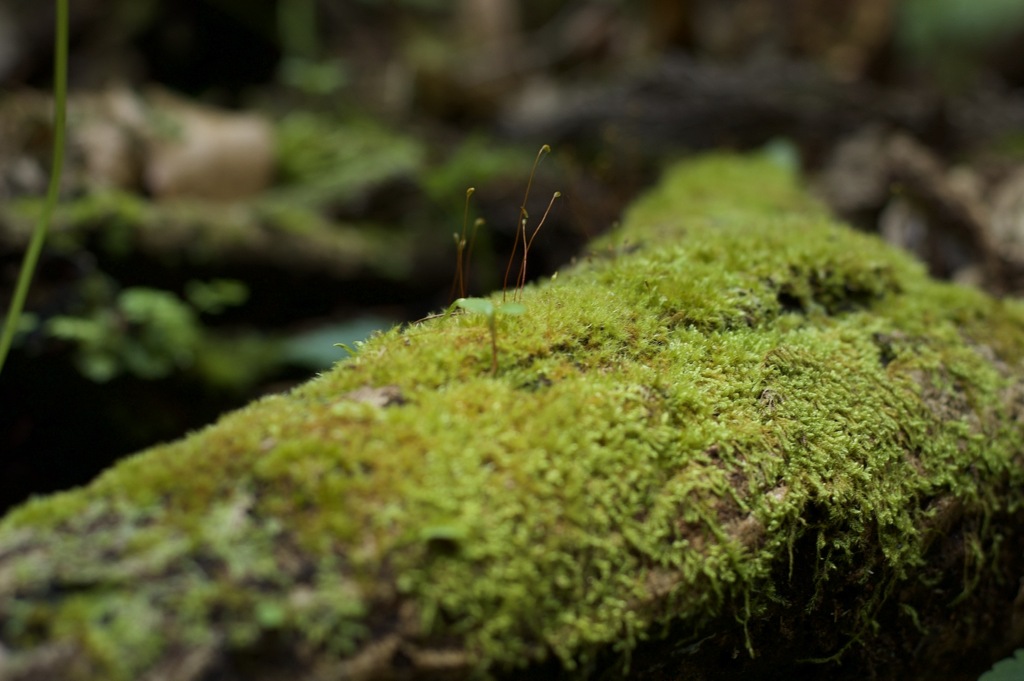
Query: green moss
x: 729, y: 375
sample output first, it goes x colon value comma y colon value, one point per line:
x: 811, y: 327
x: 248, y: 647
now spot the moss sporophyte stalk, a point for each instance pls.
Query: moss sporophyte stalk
x: 464, y: 254
x: 483, y: 306
x: 752, y: 430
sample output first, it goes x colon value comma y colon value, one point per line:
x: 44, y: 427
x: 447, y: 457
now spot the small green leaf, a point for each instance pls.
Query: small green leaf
x: 512, y: 309
x: 215, y: 296
x: 478, y: 305
x: 347, y: 348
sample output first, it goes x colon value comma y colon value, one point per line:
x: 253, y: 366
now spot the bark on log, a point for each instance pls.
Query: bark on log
x: 735, y: 441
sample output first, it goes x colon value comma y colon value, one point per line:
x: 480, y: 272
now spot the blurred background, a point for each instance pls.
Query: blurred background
x: 250, y: 182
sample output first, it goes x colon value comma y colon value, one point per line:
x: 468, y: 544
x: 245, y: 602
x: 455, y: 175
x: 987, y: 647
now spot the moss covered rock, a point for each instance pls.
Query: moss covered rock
x: 736, y: 438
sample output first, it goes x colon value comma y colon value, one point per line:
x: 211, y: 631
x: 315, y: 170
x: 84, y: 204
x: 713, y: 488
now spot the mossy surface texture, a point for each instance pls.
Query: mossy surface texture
x: 728, y: 376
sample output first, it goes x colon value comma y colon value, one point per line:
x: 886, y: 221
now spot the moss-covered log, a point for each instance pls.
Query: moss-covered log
x: 734, y: 439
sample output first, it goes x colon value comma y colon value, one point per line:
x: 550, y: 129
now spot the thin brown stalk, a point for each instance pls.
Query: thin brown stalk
x: 523, y: 217
x: 477, y: 224
x: 521, y: 282
x: 459, y: 280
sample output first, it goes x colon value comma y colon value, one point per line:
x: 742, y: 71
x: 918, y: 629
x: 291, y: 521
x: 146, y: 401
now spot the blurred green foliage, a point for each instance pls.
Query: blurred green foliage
x: 213, y: 297
x: 950, y: 37
x: 476, y: 160
x: 313, y: 77
x: 323, y: 160
x: 141, y: 331
x: 151, y: 334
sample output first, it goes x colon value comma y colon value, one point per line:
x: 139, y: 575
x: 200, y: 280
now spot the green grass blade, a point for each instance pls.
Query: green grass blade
x: 28, y: 265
